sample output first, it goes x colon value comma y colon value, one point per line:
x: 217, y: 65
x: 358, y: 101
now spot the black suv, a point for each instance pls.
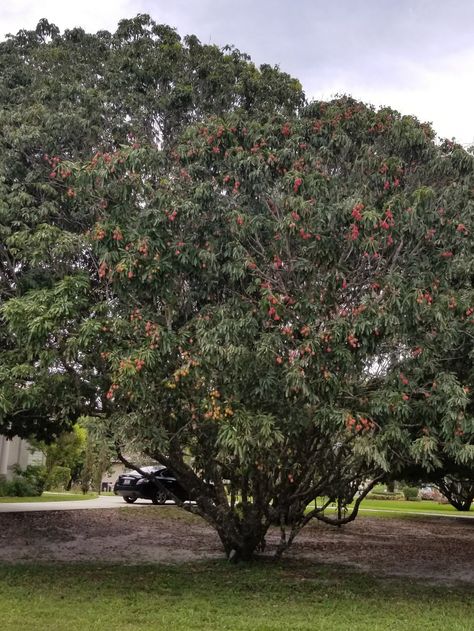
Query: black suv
x: 132, y: 485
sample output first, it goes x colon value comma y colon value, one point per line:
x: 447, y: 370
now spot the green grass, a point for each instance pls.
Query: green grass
x: 403, y: 509
x: 411, y: 507
x: 216, y: 596
x: 49, y: 497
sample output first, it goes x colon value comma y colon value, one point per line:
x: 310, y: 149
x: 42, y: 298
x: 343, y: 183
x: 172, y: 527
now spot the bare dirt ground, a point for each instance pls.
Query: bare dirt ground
x: 433, y: 549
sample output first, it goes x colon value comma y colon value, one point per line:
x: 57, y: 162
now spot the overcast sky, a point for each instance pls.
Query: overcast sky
x: 415, y: 55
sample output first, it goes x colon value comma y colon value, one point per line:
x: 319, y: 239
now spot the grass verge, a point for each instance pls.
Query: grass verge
x: 49, y: 497
x: 264, y: 596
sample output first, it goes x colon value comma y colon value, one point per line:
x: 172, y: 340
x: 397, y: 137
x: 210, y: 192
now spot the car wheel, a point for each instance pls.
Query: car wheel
x: 129, y: 500
x: 160, y: 497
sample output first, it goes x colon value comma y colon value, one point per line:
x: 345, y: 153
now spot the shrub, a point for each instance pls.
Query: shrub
x: 36, y: 476
x: 410, y: 493
x: 23, y: 487
x: 386, y: 496
x: 19, y: 487
x: 27, y: 482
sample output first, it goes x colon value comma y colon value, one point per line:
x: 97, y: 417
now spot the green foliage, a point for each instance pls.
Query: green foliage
x: 59, y: 478
x: 410, y: 493
x: 97, y: 457
x: 17, y: 487
x: 29, y: 482
x: 64, y: 457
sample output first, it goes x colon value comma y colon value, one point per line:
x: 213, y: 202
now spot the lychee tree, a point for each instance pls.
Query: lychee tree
x: 272, y: 306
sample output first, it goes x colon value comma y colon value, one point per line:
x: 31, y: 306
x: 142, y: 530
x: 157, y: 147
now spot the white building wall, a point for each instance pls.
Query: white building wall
x: 17, y: 451
x: 110, y: 477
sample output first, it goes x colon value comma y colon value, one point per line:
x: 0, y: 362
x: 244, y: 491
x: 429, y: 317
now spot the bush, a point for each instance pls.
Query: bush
x: 410, y: 493
x: 27, y: 483
x: 36, y: 476
x: 386, y: 496
x: 20, y: 487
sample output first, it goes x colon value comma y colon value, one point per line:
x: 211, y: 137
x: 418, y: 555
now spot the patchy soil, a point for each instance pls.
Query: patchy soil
x: 433, y: 549
x: 124, y: 535
x: 438, y: 550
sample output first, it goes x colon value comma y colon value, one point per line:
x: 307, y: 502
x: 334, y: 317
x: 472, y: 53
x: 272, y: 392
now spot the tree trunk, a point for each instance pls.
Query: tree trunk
x: 462, y: 505
x: 241, y: 540
x: 459, y: 493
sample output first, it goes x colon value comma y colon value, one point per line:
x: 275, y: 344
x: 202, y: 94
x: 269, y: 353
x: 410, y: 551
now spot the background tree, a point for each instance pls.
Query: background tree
x: 67, y: 453
x: 65, y: 96
x: 98, y: 455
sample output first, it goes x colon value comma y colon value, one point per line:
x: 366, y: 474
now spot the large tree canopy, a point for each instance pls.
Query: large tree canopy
x: 65, y: 96
x: 275, y: 300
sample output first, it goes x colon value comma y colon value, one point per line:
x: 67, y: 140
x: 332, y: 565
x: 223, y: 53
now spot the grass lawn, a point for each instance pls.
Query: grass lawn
x: 216, y: 596
x: 401, y: 508
x: 50, y: 497
x: 413, y: 507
